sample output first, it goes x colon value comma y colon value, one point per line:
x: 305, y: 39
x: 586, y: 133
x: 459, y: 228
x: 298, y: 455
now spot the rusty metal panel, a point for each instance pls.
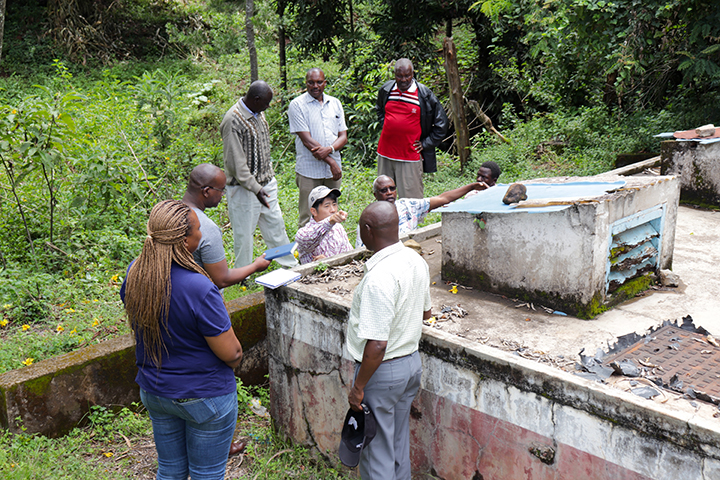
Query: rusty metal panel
x: 671, y: 351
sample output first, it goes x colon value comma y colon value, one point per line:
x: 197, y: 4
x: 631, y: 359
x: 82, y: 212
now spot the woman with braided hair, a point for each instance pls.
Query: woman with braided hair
x: 185, y: 348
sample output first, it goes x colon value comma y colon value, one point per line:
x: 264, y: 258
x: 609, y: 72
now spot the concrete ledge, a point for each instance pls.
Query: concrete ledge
x: 51, y: 397
x: 482, y: 412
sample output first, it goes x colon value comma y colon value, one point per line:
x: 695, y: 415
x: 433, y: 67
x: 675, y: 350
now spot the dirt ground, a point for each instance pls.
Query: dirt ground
x: 137, y: 458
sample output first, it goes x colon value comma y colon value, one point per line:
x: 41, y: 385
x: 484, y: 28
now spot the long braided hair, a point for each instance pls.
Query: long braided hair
x: 148, y: 286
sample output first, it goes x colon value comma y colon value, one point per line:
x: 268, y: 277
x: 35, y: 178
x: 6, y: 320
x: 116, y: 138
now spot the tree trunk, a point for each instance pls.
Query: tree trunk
x: 281, y: 47
x: 2, y: 24
x: 456, y: 101
x: 250, y: 35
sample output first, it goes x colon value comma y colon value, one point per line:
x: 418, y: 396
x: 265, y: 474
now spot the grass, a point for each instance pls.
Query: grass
x: 119, y: 446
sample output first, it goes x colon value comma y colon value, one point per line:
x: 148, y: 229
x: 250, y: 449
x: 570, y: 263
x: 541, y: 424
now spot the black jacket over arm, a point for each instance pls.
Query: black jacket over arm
x: 433, y: 121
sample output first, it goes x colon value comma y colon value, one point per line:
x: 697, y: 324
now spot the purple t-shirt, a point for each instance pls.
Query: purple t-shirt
x: 189, y: 369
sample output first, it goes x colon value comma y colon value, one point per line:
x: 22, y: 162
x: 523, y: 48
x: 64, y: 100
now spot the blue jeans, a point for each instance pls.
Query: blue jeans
x: 192, y: 437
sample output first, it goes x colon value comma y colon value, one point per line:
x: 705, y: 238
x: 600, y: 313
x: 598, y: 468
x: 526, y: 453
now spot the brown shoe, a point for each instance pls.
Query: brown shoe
x: 237, y: 447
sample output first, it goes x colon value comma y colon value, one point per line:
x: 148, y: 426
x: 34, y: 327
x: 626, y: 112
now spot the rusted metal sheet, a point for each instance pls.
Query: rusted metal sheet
x: 673, y: 355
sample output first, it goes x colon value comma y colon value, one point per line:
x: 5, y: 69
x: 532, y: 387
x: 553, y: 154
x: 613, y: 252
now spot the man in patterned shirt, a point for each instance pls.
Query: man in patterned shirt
x: 322, y: 236
x: 413, y: 124
x: 412, y: 211
x: 252, y: 187
x: 384, y: 329
x: 318, y: 121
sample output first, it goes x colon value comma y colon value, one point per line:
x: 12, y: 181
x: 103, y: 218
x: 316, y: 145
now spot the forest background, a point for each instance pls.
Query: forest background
x: 107, y: 105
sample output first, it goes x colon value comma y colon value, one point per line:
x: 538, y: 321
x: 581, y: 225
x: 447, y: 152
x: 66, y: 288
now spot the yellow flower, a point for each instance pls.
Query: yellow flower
x: 14, y: 111
x: 453, y: 289
x: 69, y: 310
x: 243, y: 288
x: 95, y: 300
x: 59, y: 328
x: 96, y: 322
x: 115, y: 278
x: 3, y: 322
x: 7, y: 306
x: 85, y: 301
x: 108, y: 454
x: 28, y: 361
x: 73, y: 331
x: 25, y: 327
x: 296, y: 254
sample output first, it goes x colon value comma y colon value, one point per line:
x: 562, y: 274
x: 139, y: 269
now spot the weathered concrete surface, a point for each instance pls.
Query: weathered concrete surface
x: 52, y: 396
x: 697, y: 166
x: 489, y: 411
x: 247, y: 315
x: 558, y: 258
x: 480, y: 410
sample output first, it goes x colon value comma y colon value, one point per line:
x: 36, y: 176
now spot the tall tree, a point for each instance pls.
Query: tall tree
x: 250, y: 35
x: 2, y: 24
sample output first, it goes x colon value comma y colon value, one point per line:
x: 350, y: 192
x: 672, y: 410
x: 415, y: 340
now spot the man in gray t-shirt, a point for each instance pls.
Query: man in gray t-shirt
x: 206, y: 187
x: 210, y: 249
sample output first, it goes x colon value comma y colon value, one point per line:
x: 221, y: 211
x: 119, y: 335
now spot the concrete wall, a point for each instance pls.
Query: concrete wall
x: 481, y: 413
x: 558, y: 259
x: 52, y: 396
x: 697, y: 166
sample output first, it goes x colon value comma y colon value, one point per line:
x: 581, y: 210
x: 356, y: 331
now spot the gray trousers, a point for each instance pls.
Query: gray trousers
x: 246, y: 213
x: 407, y: 176
x: 389, y: 394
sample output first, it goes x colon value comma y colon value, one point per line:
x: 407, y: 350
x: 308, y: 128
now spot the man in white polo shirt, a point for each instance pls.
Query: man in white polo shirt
x: 318, y: 121
x: 384, y: 330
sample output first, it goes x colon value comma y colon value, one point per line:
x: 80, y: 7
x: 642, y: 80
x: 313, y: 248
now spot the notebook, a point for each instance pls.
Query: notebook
x: 277, y: 278
x: 281, y: 251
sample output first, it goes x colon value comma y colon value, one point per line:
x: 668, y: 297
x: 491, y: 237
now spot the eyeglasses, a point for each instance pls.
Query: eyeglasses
x: 218, y: 189
x: 386, y: 189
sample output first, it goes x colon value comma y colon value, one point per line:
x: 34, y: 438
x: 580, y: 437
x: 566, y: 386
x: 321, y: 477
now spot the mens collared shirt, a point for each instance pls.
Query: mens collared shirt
x: 411, y: 212
x: 324, y: 120
x: 389, y: 303
x: 321, y: 238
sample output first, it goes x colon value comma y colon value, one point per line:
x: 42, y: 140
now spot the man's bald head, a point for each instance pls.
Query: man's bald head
x: 202, y: 175
x: 379, y: 225
x: 206, y: 186
x: 384, y: 189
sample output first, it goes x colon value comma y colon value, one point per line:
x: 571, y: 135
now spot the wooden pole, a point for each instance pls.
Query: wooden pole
x: 456, y: 102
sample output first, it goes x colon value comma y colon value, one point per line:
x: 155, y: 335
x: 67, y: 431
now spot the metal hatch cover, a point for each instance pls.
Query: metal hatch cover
x: 682, y: 358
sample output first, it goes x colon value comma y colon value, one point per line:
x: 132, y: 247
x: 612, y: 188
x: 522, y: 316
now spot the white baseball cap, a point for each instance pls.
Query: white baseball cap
x: 320, y: 192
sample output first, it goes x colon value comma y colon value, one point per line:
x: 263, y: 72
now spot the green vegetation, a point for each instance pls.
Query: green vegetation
x: 88, y: 147
x: 119, y: 445
x: 106, y: 107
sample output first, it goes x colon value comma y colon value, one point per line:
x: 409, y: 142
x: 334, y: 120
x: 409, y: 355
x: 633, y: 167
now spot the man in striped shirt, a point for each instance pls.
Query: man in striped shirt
x: 318, y: 121
x: 413, y: 124
x: 252, y: 188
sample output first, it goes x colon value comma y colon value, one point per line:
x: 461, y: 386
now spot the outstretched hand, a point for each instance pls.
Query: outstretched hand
x: 261, y: 263
x: 338, y: 217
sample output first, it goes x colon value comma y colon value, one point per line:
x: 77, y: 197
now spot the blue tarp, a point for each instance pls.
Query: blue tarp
x: 490, y: 200
x: 671, y: 135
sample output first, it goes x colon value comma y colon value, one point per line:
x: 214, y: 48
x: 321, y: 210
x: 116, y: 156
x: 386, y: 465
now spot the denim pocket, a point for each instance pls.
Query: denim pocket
x: 199, y: 410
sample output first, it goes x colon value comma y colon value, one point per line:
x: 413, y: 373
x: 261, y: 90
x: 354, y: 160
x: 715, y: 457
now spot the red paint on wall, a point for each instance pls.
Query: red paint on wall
x: 455, y: 442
